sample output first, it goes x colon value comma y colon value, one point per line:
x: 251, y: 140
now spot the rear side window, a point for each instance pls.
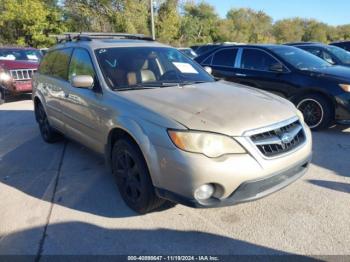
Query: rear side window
x: 47, y: 63
x: 81, y: 64
x: 61, y: 63
x: 314, y: 51
x: 254, y: 59
x: 225, y: 57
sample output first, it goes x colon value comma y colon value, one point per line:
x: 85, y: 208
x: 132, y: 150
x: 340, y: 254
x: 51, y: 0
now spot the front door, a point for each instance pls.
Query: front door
x: 81, y: 106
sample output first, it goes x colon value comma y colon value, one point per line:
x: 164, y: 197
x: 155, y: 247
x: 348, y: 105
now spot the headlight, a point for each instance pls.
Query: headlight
x: 4, y: 76
x: 211, y: 145
x: 345, y: 87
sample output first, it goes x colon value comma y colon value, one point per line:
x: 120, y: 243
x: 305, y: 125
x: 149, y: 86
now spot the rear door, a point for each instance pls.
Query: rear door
x: 223, y: 63
x: 256, y: 69
x: 53, y: 79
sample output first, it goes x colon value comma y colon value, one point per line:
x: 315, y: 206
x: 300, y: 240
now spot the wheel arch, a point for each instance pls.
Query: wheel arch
x: 326, y: 96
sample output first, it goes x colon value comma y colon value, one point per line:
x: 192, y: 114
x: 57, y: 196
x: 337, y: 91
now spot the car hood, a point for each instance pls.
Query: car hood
x: 335, y: 72
x: 219, y: 107
x: 18, y: 64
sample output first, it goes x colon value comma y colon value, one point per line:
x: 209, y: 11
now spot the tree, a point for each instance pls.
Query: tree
x: 199, y: 23
x: 289, y: 30
x: 29, y: 22
x: 246, y: 25
x: 315, y: 31
x: 168, y: 22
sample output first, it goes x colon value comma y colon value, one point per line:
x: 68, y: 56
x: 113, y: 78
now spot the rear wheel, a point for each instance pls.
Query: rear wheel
x: 133, y: 179
x: 317, y: 111
x: 47, y: 132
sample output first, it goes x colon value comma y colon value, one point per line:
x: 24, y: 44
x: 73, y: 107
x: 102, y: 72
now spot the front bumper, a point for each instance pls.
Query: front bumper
x: 342, y: 112
x: 247, y: 191
x: 237, y: 178
x: 17, y: 87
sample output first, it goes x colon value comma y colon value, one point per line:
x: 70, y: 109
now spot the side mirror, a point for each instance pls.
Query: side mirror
x: 82, y: 81
x: 208, y: 69
x: 277, y: 68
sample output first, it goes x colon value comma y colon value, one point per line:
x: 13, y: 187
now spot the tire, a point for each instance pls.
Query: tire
x: 2, y: 96
x: 317, y: 110
x: 133, y: 178
x: 47, y: 132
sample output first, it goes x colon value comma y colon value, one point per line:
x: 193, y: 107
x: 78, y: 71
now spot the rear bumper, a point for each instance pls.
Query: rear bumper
x: 247, y: 191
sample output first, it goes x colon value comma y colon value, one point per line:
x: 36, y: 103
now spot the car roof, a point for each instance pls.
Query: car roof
x: 17, y: 48
x: 308, y: 44
x: 341, y: 42
x: 109, y: 43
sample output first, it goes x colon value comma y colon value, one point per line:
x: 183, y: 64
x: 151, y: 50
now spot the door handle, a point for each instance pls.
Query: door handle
x: 238, y: 74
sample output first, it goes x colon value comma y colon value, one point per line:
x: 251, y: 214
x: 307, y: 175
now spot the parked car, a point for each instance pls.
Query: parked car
x: 200, y: 50
x: 188, y: 51
x: 343, y: 44
x: 167, y: 129
x: 319, y: 90
x: 332, y: 54
x: 17, y: 66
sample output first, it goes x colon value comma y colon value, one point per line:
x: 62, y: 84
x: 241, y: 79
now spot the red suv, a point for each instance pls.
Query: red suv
x: 17, y: 66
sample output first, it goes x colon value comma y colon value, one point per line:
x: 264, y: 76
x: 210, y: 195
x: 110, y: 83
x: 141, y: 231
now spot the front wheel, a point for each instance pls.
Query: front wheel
x: 133, y: 179
x: 2, y: 96
x: 317, y: 111
x: 47, y: 132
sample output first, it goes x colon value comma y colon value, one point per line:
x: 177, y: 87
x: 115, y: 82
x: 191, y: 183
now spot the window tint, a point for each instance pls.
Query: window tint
x: 254, y: 59
x: 81, y: 64
x: 314, y: 51
x: 225, y: 57
x: 61, y: 63
x: 47, y: 63
x: 328, y: 57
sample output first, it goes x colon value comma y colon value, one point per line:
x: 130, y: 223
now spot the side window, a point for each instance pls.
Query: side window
x: 81, y: 64
x: 47, y: 63
x: 61, y: 63
x: 225, y: 57
x: 315, y: 51
x: 207, y: 61
x: 254, y: 59
x: 328, y: 58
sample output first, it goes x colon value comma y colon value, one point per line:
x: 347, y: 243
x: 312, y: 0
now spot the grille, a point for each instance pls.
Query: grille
x: 22, y: 74
x: 281, y: 140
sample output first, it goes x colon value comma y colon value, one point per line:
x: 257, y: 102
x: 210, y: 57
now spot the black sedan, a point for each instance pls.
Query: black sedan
x: 342, y: 44
x: 320, y: 90
x: 332, y: 54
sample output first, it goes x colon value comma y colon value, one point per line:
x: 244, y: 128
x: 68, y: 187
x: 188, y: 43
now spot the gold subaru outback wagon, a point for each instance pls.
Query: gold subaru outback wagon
x: 167, y: 128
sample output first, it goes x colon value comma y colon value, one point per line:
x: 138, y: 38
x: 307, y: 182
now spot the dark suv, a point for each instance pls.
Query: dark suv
x: 318, y: 89
x: 332, y: 54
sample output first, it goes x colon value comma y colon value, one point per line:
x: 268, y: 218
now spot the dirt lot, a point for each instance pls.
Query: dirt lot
x: 60, y: 199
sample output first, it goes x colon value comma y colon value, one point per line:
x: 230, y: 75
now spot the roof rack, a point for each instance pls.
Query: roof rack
x: 89, y: 36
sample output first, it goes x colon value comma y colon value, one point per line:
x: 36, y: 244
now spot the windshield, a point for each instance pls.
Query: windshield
x: 341, y: 54
x: 189, y: 52
x: 299, y: 58
x: 127, y: 67
x: 20, y: 54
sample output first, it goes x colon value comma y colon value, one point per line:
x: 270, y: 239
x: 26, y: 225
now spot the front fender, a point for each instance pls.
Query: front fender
x: 146, y: 135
